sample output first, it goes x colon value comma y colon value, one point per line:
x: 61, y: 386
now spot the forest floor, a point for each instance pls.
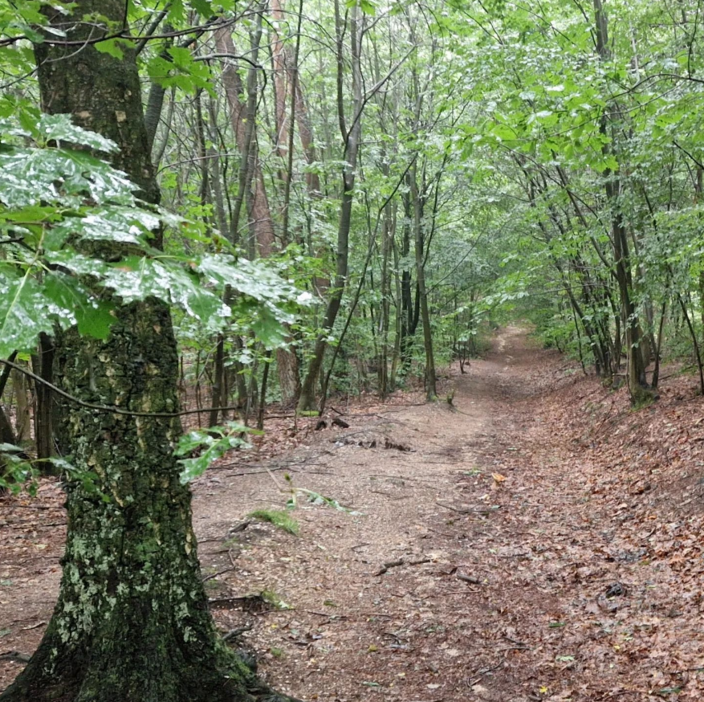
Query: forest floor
x: 538, y: 540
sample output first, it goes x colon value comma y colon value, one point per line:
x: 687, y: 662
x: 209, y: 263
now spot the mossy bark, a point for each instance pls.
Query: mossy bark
x: 132, y: 621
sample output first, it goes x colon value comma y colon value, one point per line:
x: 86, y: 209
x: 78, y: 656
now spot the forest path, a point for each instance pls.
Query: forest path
x: 471, y: 603
x: 567, y: 581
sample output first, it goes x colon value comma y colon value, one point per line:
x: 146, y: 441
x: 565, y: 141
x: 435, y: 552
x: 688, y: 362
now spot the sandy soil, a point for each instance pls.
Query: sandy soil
x: 480, y: 557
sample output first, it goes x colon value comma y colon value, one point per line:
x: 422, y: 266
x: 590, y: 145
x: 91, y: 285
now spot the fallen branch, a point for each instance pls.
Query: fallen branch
x: 236, y: 633
x: 215, y: 575
x: 389, y: 564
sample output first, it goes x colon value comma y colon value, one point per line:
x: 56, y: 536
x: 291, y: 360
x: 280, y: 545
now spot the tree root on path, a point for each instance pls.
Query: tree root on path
x: 394, y: 564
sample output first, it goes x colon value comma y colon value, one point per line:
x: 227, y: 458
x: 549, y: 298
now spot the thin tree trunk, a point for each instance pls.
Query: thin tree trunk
x: 23, y: 402
x: 43, y: 362
x: 385, y: 310
x: 656, y: 369
x: 352, y: 140
x: 430, y: 378
x: 7, y: 433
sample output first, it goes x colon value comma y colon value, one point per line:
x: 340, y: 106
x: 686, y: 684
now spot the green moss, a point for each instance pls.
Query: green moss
x: 279, y: 518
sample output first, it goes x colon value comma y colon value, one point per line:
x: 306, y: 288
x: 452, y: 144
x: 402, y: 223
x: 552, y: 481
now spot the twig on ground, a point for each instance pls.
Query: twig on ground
x: 215, y: 575
x: 482, y: 673
x: 394, y: 564
x: 467, y: 510
x: 15, y: 656
x: 389, y: 564
x: 328, y: 615
x: 236, y: 633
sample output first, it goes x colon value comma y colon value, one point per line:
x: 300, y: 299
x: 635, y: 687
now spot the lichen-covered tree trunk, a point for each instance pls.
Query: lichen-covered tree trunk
x: 132, y: 621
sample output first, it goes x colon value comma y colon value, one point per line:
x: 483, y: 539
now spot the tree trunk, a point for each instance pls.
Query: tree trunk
x: 637, y: 383
x: 23, y: 400
x: 430, y: 380
x: 285, y: 69
x: 407, y: 328
x: 289, y: 376
x: 387, y: 235
x: 352, y: 140
x: 44, y: 410
x: 7, y: 433
x: 132, y: 621
x: 260, y: 214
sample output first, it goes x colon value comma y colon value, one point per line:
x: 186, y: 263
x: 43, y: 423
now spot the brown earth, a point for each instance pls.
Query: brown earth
x: 536, y: 540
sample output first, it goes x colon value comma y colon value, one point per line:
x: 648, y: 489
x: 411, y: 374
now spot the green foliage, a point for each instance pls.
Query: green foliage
x: 208, y: 445
x: 514, y: 125
x: 60, y: 207
x: 317, y: 499
x: 16, y: 472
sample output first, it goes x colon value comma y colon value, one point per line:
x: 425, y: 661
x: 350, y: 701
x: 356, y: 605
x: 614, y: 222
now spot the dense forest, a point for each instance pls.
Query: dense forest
x: 215, y: 213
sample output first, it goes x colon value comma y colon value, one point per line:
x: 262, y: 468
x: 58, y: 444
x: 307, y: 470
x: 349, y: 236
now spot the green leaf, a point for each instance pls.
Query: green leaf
x: 137, y: 278
x: 214, y: 442
x: 367, y: 6
x: 202, y: 7
x: 268, y: 329
x: 25, y: 313
x: 93, y: 316
x: 279, y: 518
x: 31, y: 176
x: 110, y: 46
x: 61, y: 128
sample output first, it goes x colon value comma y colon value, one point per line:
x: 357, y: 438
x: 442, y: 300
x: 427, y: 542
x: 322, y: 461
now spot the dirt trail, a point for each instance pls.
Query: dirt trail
x: 443, y: 583
x: 437, y: 625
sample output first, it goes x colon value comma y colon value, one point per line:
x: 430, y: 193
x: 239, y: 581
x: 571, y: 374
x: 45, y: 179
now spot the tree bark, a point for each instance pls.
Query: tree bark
x: 637, y: 383
x: 285, y: 83
x: 7, y: 433
x: 132, y: 621
x: 260, y: 214
x: 22, y: 394
x: 430, y: 379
